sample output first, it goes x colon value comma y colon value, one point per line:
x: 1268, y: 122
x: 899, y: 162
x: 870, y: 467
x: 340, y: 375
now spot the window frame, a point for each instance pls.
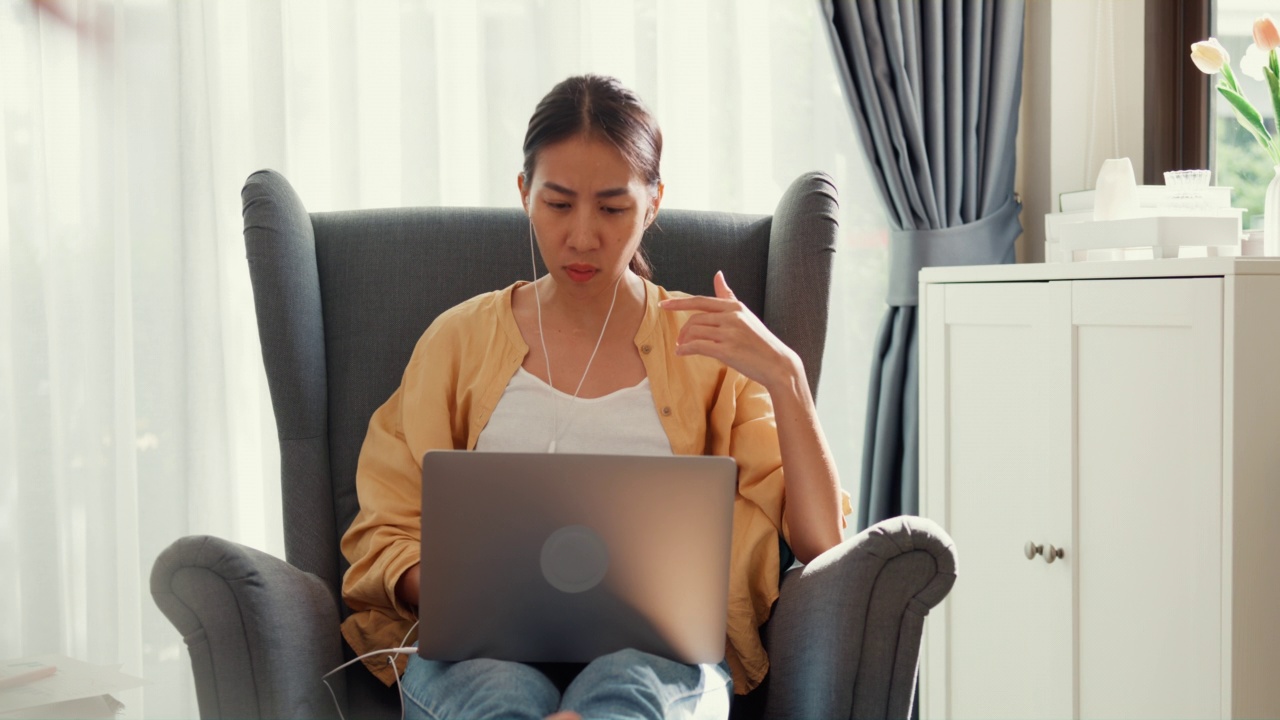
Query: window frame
x: 1177, y: 120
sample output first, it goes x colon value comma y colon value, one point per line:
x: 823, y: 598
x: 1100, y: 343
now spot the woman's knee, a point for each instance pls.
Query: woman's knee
x: 631, y: 662
x: 480, y: 687
x: 630, y: 684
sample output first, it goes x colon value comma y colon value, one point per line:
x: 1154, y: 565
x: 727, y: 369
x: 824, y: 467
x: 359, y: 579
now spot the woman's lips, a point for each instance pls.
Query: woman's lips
x: 580, y: 273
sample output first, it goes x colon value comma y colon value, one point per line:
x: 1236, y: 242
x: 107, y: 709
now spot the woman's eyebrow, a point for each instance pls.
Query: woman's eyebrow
x: 611, y: 192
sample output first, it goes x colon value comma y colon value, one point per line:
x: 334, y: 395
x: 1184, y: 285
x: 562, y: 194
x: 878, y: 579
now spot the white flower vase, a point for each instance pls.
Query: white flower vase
x: 1115, y: 190
x: 1271, y: 218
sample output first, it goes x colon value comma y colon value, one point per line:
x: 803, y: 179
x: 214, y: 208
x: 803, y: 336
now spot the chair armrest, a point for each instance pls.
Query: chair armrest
x: 844, y: 639
x: 802, y: 245
x: 260, y: 631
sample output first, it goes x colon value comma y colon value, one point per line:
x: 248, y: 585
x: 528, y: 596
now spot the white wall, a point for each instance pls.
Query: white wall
x: 1082, y: 102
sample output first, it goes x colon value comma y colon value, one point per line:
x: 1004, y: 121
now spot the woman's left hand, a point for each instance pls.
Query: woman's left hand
x: 725, y: 329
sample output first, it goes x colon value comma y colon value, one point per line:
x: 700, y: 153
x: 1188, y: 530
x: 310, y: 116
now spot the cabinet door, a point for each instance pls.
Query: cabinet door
x: 1149, y: 455
x: 996, y: 472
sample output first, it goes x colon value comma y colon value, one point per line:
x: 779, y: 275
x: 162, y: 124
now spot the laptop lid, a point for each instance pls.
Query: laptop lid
x: 564, y: 558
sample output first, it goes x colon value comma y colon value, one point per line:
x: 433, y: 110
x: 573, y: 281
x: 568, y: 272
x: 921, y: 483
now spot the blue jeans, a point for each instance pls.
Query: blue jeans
x: 624, y: 684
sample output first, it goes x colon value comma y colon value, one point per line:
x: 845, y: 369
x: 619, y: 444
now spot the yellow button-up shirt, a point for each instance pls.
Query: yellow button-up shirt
x: 459, y: 370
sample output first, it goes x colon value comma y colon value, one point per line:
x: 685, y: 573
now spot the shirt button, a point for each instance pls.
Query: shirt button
x: 666, y: 410
x: 646, y: 348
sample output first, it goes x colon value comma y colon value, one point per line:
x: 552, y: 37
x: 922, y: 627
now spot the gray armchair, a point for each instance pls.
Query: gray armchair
x: 341, y: 299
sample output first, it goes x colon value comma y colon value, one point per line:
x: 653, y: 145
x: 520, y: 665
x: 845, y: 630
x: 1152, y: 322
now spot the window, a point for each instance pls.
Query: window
x: 1188, y: 123
x: 1238, y: 161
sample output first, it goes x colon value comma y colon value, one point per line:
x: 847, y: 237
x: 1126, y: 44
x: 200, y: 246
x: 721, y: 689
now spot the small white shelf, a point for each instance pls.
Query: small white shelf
x: 1172, y: 267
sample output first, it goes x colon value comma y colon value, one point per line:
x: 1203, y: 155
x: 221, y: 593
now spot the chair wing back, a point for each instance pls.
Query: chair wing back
x: 342, y: 297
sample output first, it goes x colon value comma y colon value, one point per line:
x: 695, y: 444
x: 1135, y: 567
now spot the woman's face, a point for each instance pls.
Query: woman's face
x: 589, y: 211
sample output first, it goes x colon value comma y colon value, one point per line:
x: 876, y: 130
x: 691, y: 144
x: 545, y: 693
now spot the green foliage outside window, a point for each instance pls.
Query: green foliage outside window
x: 1244, y: 167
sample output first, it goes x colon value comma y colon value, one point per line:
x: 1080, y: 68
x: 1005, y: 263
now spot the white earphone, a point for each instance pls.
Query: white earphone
x: 546, y: 358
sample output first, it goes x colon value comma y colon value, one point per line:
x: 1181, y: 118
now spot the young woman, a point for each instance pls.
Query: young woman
x: 592, y: 357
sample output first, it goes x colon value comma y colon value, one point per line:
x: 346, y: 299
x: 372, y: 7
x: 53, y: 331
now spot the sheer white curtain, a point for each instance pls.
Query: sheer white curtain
x: 132, y: 400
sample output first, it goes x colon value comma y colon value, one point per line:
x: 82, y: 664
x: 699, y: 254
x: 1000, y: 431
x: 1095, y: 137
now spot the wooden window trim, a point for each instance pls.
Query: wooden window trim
x: 1178, y: 123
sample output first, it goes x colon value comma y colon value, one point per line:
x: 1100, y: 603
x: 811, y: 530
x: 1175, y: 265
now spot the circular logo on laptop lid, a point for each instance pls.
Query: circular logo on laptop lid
x: 574, y: 559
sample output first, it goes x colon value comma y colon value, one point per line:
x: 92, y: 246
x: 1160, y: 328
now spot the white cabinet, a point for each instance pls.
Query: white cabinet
x: 1122, y: 420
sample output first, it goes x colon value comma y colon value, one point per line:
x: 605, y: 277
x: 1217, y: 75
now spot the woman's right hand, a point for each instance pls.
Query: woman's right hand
x: 407, y: 588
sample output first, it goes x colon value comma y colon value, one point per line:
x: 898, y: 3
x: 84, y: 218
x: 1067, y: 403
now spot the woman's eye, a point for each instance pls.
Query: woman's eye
x: 613, y: 210
x: 557, y: 205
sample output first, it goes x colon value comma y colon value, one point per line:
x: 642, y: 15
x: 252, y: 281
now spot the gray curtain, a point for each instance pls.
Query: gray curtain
x: 934, y: 87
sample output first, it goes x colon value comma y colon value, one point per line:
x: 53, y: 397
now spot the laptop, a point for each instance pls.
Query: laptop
x: 564, y: 558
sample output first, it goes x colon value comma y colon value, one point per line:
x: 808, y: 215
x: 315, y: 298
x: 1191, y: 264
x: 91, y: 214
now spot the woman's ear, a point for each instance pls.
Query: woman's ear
x: 524, y: 194
x: 652, y: 213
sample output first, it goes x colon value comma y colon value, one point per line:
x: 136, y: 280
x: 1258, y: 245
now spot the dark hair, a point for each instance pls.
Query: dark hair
x: 598, y: 107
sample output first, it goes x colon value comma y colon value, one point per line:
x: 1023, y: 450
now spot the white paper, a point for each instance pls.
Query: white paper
x: 17, y: 672
x: 73, y: 681
x: 98, y: 707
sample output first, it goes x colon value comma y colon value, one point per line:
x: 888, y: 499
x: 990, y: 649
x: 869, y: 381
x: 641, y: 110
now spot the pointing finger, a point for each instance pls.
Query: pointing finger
x: 697, y: 302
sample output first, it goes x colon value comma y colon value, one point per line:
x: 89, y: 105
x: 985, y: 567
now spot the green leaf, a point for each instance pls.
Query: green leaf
x: 1240, y: 166
x: 1249, y: 118
x: 1273, y: 82
x: 1229, y: 78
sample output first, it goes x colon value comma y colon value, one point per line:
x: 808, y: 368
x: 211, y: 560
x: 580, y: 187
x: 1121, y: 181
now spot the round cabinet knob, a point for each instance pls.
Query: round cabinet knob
x: 1031, y: 550
x: 1055, y: 553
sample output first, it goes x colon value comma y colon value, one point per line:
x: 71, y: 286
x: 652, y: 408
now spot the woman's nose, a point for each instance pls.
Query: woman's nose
x: 584, y: 233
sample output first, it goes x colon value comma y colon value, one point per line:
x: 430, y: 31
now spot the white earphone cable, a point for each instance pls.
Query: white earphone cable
x: 546, y: 358
x: 407, y: 650
x: 555, y: 407
x: 556, y: 431
x: 392, y: 662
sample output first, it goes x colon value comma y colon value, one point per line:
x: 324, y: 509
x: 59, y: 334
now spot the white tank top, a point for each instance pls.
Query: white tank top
x: 624, y: 422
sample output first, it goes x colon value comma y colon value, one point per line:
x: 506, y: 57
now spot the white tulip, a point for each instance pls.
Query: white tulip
x: 1209, y: 56
x: 1255, y: 62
